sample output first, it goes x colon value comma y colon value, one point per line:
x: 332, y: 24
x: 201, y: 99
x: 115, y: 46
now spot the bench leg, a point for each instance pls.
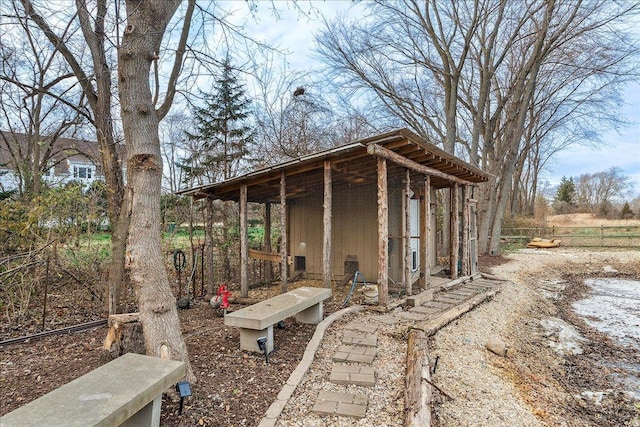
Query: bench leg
x: 312, y: 315
x: 149, y: 416
x: 249, y: 339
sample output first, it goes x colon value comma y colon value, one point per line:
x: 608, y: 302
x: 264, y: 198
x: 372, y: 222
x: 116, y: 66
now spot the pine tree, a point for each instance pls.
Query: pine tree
x: 626, y: 212
x: 223, y: 137
x: 222, y: 142
x: 566, y: 191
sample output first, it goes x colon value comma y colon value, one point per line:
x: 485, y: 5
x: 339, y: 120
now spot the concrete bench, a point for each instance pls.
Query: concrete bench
x: 257, y: 320
x: 125, y: 392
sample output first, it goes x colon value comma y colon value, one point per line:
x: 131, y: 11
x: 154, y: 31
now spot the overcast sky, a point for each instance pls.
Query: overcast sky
x: 294, y: 32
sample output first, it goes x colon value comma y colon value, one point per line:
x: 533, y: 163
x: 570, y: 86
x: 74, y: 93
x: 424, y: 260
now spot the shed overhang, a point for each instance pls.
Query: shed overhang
x: 351, y: 164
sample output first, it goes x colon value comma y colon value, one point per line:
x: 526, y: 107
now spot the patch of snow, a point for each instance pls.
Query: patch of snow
x: 563, y: 337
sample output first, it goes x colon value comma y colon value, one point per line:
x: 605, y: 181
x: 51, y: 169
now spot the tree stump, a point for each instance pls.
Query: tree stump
x: 124, y: 336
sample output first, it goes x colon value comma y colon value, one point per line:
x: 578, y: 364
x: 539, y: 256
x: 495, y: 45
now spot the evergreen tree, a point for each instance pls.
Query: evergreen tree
x: 220, y: 149
x: 566, y: 191
x: 626, y: 212
x: 223, y: 137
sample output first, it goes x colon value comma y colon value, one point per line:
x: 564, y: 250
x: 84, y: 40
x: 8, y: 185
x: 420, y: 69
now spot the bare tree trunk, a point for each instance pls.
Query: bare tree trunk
x: 146, y: 24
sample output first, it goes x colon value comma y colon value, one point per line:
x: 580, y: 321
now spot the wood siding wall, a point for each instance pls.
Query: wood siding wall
x: 354, y: 231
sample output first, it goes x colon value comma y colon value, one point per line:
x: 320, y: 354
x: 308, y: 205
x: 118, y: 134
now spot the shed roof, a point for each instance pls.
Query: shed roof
x: 350, y: 164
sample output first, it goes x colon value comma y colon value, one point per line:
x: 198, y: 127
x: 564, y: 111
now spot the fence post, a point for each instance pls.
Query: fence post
x: 602, y: 235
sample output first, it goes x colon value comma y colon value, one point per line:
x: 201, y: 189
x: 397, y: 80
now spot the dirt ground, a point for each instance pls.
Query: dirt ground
x: 235, y: 388
x: 533, y: 385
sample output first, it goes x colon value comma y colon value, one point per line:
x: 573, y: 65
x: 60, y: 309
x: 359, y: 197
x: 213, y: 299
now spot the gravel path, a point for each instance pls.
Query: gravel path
x: 484, y: 387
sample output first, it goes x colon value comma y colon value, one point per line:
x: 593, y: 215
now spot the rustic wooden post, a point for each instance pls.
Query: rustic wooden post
x: 268, y: 269
x: 425, y: 230
x: 383, y: 234
x: 417, y: 381
x: 244, y: 243
x: 473, y: 232
x: 283, y: 232
x: 407, y: 232
x: 326, y: 226
x: 466, y: 256
x: 208, y: 252
x: 455, y: 231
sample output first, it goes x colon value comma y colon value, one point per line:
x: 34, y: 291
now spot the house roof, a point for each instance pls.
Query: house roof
x: 351, y: 164
x: 72, y: 149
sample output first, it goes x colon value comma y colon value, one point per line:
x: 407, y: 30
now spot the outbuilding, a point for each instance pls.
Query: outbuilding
x: 369, y: 205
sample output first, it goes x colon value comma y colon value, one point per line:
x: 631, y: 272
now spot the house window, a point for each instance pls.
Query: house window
x: 82, y: 172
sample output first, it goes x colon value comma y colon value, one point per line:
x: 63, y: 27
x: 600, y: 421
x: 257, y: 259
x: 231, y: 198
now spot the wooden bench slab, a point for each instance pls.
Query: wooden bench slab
x: 264, y: 314
x: 107, y: 396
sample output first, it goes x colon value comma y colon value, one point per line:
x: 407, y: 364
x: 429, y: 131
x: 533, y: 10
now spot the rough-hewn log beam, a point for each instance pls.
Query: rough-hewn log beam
x: 384, y: 153
x: 466, y: 256
x: 407, y: 232
x: 383, y: 234
x: 283, y: 232
x: 244, y: 244
x: 326, y: 226
x: 268, y: 268
x: 417, y: 381
x: 455, y: 231
x: 425, y: 230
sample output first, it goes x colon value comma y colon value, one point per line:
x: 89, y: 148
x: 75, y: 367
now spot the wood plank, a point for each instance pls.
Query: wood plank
x: 264, y: 255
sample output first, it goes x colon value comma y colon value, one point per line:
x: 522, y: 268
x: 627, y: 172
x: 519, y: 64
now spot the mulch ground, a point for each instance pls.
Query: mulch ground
x: 233, y: 388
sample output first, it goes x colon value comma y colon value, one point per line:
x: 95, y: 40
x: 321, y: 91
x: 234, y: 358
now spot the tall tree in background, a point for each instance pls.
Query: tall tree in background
x: 565, y: 197
x: 596, y: 192
x: 39, y: 103
x: 224, y: 141
x: 88, y: 27
x: 469, y: 75
x: 222, y: 131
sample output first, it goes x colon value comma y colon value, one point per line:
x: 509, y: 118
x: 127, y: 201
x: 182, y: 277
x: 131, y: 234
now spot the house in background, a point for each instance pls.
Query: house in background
x: 368, y: 205
x: 67, y: 160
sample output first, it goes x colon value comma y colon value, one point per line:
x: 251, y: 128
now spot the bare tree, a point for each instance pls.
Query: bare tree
x: 491, y: 56
x: 596, y: 192
x: 38, y: 104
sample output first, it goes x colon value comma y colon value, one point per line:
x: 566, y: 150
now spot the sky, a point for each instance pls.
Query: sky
x: 294, y: 33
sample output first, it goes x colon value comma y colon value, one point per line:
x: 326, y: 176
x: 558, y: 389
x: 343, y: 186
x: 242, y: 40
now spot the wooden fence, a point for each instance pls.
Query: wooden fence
x: 602, y: 236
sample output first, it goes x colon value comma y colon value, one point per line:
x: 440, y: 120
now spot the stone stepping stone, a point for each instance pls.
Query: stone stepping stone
x: 387, y: 319
x: 362, y: 327
x: 355, y: 354
x: 341, y: 404
x: 425, y: 310
x: 359, y: 338
x: 352, y: 374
